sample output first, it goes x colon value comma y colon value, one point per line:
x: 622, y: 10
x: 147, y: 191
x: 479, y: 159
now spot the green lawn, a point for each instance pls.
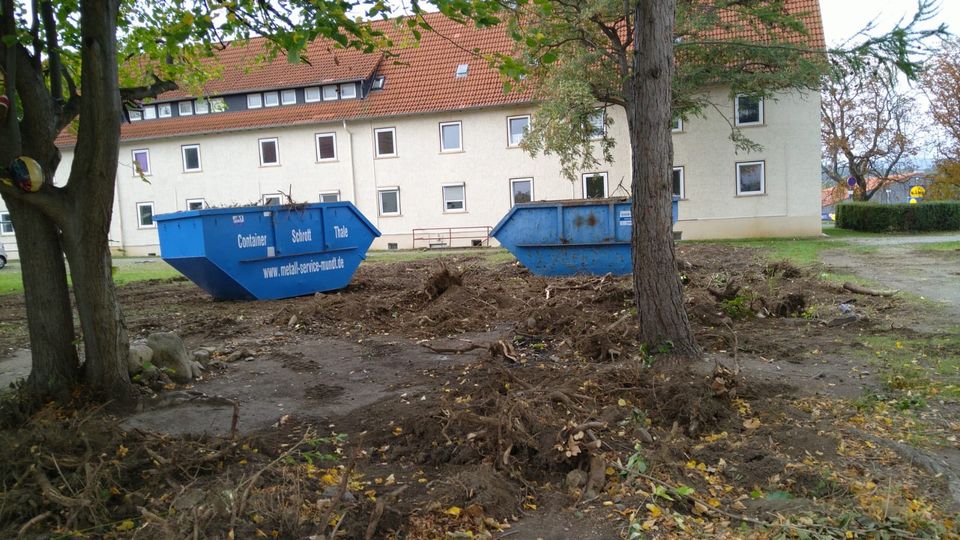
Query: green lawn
x: 490, y: 255
x: 939, y: 246
x: 125, y: 271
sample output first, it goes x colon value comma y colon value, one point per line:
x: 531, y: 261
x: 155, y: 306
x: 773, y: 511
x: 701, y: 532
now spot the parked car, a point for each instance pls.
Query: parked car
x: 3, y: 256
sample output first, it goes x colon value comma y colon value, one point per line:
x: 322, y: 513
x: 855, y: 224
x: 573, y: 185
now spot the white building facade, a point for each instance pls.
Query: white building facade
x: 431, y: 155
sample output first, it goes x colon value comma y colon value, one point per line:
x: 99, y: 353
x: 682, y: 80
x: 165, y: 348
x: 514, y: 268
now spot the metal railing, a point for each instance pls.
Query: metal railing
x: 445, y: 237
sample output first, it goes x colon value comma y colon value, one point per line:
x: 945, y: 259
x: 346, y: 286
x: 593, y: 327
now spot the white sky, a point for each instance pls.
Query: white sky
x: 844, y: 18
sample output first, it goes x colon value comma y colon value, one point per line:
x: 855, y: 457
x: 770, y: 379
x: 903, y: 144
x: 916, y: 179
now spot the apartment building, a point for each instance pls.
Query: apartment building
x: 428, y: 142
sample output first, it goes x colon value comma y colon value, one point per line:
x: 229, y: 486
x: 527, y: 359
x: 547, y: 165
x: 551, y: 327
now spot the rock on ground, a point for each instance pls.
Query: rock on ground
x: 171, y: 356
x: 139, y: 355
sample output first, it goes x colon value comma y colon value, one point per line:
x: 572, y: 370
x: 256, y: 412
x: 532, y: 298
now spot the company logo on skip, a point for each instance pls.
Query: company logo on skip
x: 251, y: 240
x: 298, y: 236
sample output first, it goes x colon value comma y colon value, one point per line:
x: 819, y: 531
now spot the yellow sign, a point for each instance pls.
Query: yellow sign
x: 918, y: 191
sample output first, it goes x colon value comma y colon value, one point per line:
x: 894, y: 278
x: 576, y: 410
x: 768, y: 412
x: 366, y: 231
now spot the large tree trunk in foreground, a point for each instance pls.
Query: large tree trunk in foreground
x: 55, y: 366
x: 90, y: 191
x: 105, y: 341
x: 659, y: 293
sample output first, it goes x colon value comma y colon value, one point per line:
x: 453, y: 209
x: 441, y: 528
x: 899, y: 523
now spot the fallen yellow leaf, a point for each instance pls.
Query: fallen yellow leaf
x: 453, y: 511
x: 655, y: 511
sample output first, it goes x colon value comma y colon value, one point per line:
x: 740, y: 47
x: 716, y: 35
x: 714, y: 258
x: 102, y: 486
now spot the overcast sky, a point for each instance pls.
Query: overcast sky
x: 844, y: 18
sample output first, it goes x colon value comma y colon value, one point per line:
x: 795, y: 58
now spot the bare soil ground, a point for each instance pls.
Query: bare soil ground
x: 458, y: 398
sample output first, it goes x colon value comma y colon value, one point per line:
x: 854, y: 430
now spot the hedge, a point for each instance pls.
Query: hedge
x: 926, y: 216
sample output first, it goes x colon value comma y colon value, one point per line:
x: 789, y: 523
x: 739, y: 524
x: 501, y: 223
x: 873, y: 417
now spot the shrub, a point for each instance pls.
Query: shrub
x: 927, y: 216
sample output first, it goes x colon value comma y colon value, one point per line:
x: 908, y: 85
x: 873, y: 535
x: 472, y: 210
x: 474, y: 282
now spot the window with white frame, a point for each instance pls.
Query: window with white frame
x: 135, y: 116
x: 516, y: 129
x: 165, y: 110
x: 202, y: 106
x: 145, y: 216
x: 311, y: 94
x: 288, y: 97
x: 330, y: 196
x: 750, y: 178
x: 218, y: 105
x: 254, y: 101
x: 677, y: 124
x: 386, y: 142
x: 191, y: 157
x: 272, y: 199
x: 149, y: 112
x: 141, y: 162
x: 454, y: 198
x: 389, y: 201
x: 271, y: 99
x: 749, y: 110
x: 196, y: 204
x: 326, y: 147
x: 378, y: 83
x: 6, y: 224
x: 269, y: 152
x: 462, y: 71
x: 330, y: 92
x: 597, y: 123
x: 450, y: 140
x: 348, y: 91
x: 678, y: 183
x: 594, y: 185
x: 186, y: 108
x: 521, y: 190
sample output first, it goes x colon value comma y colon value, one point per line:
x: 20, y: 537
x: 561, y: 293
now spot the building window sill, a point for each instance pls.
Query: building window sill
x: 739, y: 195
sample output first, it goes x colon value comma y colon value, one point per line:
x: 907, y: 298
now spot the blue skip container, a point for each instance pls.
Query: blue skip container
x: 565, y: 238
x: 267, y: 252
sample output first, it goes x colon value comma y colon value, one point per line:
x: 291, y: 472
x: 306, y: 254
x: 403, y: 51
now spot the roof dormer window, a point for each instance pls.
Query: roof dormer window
x: 271, y: 99
x: 348, y: 91
x: 378, y: 83
x: 254, y: 101
x: 462, y: 70
x: 330, y: 92
x: 185, y: 108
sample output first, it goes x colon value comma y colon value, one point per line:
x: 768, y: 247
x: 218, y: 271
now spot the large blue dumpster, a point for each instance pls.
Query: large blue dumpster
x: 564, y: 238
x: 267, y: 252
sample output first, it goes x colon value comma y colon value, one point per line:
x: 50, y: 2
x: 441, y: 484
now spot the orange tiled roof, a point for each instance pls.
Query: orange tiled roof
x: 419, y: 80
x: 807, y: 11
x: 245, y: 70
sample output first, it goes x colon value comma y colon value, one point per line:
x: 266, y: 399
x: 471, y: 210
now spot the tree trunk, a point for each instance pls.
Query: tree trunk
x: 55, y: 366
x: 105, y: 342
x: 90, y: 191
x: 659, y: 293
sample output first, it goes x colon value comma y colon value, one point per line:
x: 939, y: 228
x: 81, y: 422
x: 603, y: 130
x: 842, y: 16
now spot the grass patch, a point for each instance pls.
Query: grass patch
x: 938, y: 246
x: 142, y: 271
x: 801, y: 251
x: 925, y: 366
x: 489, y: 255
x: 10, y: 280
x: 124, y: 272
